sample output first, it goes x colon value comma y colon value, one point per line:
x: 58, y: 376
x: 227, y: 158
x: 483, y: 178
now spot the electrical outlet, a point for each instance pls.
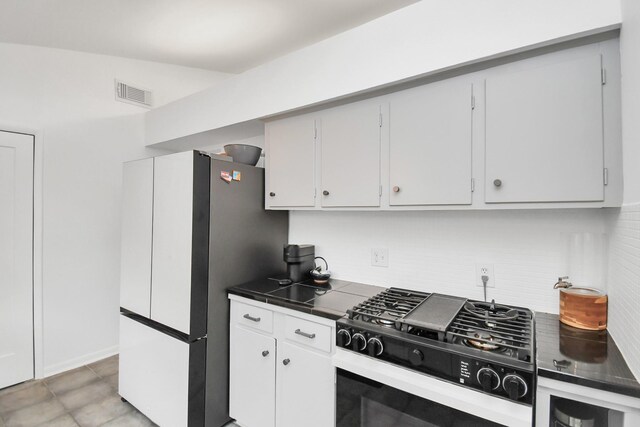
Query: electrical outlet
x: 485, y: 270
x: 380, y: 257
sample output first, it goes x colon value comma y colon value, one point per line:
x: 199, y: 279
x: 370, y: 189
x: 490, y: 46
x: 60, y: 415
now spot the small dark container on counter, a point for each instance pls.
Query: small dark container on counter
x: 299, y: 259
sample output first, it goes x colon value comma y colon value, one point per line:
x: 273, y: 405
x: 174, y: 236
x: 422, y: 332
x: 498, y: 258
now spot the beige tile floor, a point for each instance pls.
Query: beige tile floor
x: 85, y: 397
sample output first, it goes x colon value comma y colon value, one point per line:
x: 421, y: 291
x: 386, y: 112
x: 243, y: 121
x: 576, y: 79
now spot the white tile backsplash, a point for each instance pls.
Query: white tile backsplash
x: 624, y: 283
x: 437, y: 251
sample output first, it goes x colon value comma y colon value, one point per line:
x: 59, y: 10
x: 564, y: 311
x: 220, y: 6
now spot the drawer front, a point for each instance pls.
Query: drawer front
x: 252, y: 317
x: 308, y: 333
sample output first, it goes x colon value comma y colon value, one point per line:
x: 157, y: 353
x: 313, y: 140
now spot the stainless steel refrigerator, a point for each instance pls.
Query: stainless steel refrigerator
x: 191, y: 227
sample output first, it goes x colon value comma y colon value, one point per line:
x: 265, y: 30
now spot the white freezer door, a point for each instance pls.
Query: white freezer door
x: 154, y: 373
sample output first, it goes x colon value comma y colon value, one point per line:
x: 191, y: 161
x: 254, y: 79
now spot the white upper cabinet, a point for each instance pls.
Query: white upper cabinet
x: 350, y: 161
x: 290, y: 155
x: 430, y: 145
x: 137, y: 214
x: 533, y: 133
x: 172, y: 240
x: 544, y: 134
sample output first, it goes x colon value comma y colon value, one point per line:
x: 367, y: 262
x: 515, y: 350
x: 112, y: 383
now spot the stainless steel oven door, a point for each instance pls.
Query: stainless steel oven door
x: 373, y: 393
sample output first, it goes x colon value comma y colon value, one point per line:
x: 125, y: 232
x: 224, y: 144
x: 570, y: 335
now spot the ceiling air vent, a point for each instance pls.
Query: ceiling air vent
x: 132, y: 95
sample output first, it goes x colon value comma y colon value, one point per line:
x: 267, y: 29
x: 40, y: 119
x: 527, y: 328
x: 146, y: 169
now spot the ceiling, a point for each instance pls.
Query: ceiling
x: 221, y: 35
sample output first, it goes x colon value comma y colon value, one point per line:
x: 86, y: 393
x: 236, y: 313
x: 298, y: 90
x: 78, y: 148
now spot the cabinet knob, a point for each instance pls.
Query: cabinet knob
x: 272, y: 194
x: 325, y: 192
x: 285, y: 362
x: 265, y: 353
x: 497, y: 182
x: 396, y: 189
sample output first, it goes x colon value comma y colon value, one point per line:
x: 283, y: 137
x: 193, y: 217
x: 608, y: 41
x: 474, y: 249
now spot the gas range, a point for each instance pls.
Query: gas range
x: 483, y: 346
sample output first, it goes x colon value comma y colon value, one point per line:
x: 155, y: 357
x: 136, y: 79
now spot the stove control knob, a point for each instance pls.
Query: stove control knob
x: 358, y: 342
x: 375, y: 346
x: 515, y: 386
x: 488, y: 379
x: 343, y: 338
x: 416, y: 357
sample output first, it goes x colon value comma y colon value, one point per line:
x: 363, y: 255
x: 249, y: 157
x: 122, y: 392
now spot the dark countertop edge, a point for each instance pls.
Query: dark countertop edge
x: 588, y: 382
x: 279, y: 302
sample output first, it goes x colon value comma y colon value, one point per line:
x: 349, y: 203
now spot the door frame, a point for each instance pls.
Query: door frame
x: 38, y: 151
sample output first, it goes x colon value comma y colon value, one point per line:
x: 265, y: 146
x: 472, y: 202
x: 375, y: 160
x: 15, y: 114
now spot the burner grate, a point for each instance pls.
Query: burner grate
x: 387, y: 307
x: 493, y: 327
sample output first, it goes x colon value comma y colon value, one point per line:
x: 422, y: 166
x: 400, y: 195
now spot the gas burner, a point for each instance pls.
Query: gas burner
x: 387, y: 323
x: 484, y: 341
x: 490, y: 312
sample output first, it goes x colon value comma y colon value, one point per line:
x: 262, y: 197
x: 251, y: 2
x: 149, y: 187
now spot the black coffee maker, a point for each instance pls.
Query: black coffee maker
x: 299, y: 259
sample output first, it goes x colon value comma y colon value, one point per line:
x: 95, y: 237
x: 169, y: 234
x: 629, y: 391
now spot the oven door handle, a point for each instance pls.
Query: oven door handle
x: 304, y: 334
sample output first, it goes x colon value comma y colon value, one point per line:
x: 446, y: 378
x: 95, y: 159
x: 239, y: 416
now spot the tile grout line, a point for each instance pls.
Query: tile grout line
x: 55, y: 396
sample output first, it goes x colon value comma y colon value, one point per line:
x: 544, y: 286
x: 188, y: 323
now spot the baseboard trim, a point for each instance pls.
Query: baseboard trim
x: 79, y: 361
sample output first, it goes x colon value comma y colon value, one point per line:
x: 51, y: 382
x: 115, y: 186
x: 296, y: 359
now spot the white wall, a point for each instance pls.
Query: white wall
x: 420, y: 39
x: 624, y: 277
x: 437, y: 251
x: 68, y: 98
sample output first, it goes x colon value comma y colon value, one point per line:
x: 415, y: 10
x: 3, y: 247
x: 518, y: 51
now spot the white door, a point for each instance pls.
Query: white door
x: 291, y: 162
x: 350, y: 161
x: 305, y: 389
x: 252, y: 378
x: 430, y: 145
x: 16, y: 262
x: 544, y: 137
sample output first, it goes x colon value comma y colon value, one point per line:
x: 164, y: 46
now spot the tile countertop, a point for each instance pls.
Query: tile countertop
x: 588, y: 358
x: 330, y: 301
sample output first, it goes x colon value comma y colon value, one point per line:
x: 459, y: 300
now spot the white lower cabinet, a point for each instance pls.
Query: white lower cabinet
x: 284, y: 377
x: 252, y: 369
x: 305, y: 388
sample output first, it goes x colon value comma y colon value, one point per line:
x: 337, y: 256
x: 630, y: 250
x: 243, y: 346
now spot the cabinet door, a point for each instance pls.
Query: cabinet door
x: 430, y: 145
x: 137, y: 219
x: 305, y: 388
x: 172, y: 238
x: 291, y: 162
x: 252, y: 378
x: 544, y: 137
x: 351, y: 156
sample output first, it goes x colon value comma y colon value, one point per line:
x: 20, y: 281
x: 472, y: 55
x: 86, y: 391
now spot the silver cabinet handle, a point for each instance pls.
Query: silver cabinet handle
x: 396, y: 189
x: 497, y: 182
x: 265, y: 353
x: 304, y: 334
x: 250, y: 317
x: 285, y: 362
